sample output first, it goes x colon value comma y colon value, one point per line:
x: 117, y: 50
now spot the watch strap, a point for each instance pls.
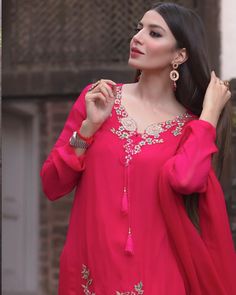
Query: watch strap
x: 78, y: 142
x: 89, y: 140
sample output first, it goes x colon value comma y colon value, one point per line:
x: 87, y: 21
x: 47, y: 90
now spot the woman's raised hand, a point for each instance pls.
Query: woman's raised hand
x: 216, y: 96
x: 99, y: 101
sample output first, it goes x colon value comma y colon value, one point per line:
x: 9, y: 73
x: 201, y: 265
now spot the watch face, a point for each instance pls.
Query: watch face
x: 73, y: 139
x: 77, y: 142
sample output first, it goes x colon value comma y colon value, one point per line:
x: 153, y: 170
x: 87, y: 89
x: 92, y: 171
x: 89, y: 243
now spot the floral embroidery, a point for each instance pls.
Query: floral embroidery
x: 138, y: 289
x: 88, y: 281
x: 151, y: 135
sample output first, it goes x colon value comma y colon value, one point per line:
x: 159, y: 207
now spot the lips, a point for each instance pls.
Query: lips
x: 136, y: 50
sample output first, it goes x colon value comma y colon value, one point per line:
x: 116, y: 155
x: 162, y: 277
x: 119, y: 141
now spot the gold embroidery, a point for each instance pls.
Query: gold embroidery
x: 88, y: 281
x: 151, y: 135
x: 138, y: 289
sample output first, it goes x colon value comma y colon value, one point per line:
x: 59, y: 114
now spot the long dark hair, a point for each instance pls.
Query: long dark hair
x: 189, y: 32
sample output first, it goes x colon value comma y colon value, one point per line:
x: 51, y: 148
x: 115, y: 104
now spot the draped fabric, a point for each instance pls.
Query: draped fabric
x: 128, y: 231
x: 207, y: 260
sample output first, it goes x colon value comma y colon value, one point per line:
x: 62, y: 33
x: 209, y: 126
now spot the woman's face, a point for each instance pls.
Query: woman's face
x: 155, y: 43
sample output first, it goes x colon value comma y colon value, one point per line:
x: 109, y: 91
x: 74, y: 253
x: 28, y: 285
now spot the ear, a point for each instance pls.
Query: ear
x: 181, y: 56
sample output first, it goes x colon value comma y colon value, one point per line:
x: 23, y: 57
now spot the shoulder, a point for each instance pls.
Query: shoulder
x: 127, y: 88
x: 189, y: 119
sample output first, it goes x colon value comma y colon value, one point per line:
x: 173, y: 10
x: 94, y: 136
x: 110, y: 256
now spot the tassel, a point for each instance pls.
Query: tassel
x: 129, y: 249
x: 124, y: 205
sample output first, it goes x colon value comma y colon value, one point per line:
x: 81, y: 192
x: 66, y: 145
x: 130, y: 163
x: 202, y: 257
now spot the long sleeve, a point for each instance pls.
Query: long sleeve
x: 62, y: 169
x: 188, y: 170
x: 207, y: 259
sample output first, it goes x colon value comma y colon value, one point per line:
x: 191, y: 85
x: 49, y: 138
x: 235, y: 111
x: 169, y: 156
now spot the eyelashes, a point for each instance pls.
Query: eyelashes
x: 152, y: 33
x: 155, y: 34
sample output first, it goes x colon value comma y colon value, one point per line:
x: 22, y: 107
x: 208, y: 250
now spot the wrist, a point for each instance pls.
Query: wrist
x: 88, y: 129
x: 210, y: 115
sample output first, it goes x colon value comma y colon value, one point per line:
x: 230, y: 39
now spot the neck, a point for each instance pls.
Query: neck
x: 155, y: 88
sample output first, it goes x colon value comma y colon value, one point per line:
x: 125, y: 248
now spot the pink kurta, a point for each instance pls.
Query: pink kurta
x: 118, y: 241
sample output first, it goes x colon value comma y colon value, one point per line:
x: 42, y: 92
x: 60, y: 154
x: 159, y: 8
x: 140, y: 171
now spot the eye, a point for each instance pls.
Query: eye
x: 137, y: 30
x: 155, y: 34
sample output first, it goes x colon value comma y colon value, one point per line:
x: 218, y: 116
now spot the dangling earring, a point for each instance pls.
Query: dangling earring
x: 174, y: 75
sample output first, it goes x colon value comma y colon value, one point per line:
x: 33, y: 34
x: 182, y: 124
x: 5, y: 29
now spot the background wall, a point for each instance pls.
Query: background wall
x: 228, y: 39
x: 228, y: 72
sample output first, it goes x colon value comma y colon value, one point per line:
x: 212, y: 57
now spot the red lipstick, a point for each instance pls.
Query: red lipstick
x: 135, y: 49
x: 135, y: 52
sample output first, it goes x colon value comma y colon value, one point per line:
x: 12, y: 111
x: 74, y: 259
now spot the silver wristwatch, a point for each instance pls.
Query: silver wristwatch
x: 78, y: 142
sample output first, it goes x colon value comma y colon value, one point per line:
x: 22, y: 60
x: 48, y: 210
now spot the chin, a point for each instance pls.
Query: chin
x: 132, y: 63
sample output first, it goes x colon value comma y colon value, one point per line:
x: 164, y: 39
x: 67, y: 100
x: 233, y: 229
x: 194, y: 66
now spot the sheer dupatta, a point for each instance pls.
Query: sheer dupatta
x: 207, y: 260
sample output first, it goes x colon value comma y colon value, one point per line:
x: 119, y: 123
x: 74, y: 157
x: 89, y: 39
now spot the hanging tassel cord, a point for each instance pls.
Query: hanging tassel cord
x: 129, y: 248
x: 124, y: 205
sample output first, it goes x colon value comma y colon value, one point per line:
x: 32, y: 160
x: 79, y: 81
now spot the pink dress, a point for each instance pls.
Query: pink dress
x: 117, y: 241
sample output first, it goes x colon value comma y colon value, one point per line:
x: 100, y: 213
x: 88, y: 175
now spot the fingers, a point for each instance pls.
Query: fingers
x: 220, y: 86
x: 98, y: 96
x: 104, y: 81
x: 109, y: 81
x: 106, y: 91
x: 106, y: 87
x: 217, y: 80
x: 213, y: 76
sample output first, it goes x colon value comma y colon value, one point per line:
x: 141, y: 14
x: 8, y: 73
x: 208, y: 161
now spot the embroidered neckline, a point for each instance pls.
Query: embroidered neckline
x: 130, y: 123
x: 133, y: 144
x: 127, y: 129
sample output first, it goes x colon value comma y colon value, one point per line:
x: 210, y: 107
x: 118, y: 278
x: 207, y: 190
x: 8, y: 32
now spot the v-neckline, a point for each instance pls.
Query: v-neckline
x: 125, y: 114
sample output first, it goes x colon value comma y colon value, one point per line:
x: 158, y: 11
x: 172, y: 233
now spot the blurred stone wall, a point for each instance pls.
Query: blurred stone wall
x: 53, y: 215
x: 55, y: 47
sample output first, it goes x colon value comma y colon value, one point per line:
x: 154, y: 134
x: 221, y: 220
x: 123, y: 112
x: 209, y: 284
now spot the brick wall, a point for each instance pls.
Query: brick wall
x: 53, y: 215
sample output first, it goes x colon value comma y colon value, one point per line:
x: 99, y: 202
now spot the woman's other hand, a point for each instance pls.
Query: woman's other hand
x: 217, y: 95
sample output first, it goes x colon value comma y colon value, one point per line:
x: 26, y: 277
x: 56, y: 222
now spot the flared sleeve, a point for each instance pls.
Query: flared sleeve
x: 63, y: 167
x: 207, y: 259
x: 189, y: 168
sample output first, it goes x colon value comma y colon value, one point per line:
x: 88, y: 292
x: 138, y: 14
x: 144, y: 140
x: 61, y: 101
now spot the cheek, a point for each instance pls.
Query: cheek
x: 160, y: 51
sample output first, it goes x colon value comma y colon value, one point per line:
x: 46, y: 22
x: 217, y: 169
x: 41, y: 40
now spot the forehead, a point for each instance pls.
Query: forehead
x: 154, y: 18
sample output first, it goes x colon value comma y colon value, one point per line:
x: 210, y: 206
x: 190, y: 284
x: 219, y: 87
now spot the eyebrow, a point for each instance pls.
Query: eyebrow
x: 152, y: 26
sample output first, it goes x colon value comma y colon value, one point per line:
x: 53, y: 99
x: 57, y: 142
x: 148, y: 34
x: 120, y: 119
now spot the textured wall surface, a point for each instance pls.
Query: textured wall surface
x: 47, y: 41
x: 53, y: 215
x: 228, y: 41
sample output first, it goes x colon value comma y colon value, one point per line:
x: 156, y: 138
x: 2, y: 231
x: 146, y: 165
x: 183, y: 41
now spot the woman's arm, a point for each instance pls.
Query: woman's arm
x: 64, y: 165
x: 188, y: 170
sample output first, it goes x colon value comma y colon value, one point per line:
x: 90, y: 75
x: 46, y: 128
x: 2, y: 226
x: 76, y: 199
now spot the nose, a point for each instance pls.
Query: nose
x: 138, y: 37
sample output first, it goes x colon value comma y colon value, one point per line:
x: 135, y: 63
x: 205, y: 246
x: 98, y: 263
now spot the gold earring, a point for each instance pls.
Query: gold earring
x: 174, y: 75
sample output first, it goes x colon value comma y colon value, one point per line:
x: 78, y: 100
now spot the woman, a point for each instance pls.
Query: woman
x: 148, y: 215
